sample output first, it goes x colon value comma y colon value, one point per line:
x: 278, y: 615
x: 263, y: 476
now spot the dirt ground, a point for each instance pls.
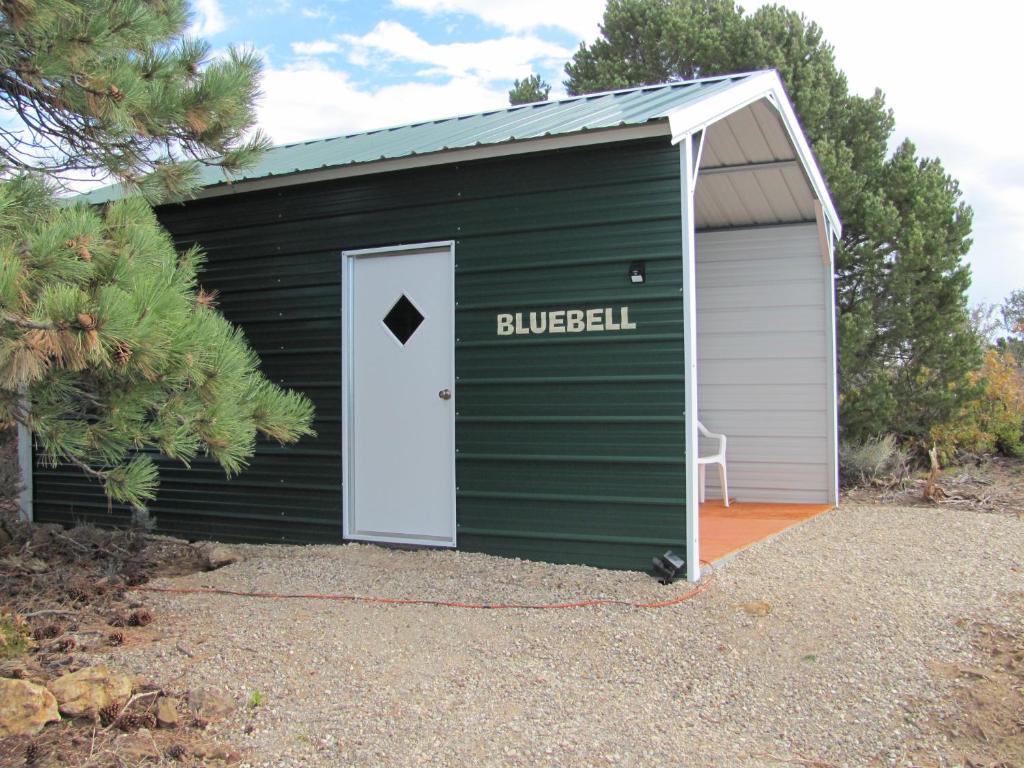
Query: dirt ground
x: 886, y: 633
x: 67, y: 595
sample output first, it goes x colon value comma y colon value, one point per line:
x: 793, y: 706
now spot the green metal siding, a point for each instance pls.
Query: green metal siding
x: 570, y: 448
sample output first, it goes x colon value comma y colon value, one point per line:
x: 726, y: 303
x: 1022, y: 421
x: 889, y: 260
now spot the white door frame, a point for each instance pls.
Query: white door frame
x: 348, y: 259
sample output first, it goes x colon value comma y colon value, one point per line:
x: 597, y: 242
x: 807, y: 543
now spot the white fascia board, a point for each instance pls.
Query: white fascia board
x: 654, y: 128
x: 761, y: 85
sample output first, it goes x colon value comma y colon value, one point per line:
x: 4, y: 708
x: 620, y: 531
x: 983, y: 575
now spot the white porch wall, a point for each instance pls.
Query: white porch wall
x: 762, y: 360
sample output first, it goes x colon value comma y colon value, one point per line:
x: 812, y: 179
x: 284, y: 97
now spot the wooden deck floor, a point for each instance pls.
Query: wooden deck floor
x: 725, y: 530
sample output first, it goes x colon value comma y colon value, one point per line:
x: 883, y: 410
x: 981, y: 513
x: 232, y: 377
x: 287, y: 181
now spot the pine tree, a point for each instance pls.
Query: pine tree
x: 113, y: 87
x: 906, y: 346
x: 1012, y: 312
x: 529, y: 90
x: 110, y: 350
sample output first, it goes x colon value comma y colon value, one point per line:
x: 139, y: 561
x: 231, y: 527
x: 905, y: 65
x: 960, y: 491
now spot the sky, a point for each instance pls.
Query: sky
x: 342, y: 66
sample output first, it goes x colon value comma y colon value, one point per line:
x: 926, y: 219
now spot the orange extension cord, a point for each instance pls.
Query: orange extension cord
x: 705, y: 583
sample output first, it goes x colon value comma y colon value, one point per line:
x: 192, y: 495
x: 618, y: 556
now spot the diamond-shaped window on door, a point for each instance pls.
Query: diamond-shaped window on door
x: 403, y: 319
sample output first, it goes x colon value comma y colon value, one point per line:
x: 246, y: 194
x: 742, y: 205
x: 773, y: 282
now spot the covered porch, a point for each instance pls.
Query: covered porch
x: 759, y: 229
x: 724, y: 531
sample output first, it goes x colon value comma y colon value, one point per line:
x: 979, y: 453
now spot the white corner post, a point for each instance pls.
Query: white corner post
x: 826, y: 239
x: 25, y: 465
x: 689, y: 160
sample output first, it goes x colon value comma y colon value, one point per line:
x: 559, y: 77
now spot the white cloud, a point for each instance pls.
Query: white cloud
x: 209, y: 19
x: 579, y: 17
x: 315, y: 48
x: 318, y: 12
x: 308, y: 100
x: 498, y: 59
x: 271, y: 8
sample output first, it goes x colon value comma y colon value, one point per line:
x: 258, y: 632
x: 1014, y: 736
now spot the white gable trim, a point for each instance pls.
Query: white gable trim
x: 686, y: 120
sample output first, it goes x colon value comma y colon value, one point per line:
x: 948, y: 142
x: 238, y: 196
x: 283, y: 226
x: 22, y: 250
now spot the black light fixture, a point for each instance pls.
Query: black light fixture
x: 668, y: 567
x: 637, y: 272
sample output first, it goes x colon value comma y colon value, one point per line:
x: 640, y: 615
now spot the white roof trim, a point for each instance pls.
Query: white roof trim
x: 691, y: 118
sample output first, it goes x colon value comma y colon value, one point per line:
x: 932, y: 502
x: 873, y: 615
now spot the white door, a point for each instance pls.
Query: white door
x: 398, y: 381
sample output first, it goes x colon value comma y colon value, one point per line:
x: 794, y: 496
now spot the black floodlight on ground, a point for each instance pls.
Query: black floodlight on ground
x: 637, y: 272
x: 668, y: 567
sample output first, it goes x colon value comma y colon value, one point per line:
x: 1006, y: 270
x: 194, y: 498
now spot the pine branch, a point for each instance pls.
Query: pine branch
x: 94, y: 473
x: 128, y: 355
x: 24, y: 322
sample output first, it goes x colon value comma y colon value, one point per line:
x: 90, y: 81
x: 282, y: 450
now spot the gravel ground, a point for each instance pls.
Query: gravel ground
x: 863, y: 600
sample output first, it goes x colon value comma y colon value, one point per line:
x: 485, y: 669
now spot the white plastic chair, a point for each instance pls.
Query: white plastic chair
x: 716, y: 458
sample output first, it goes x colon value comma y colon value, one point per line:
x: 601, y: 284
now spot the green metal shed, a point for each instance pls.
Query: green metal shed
x: 507, y: 322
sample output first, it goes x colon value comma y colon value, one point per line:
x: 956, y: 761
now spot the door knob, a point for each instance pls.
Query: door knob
x: 445, y: 394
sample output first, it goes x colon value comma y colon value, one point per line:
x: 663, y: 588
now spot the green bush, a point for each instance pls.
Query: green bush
x: 992, y: 422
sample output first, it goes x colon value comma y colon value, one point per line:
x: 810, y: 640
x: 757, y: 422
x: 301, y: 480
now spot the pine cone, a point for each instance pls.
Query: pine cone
x: 140, y: 618
x: 109, y: 713
x: 66, y: 644
x: 32, y: 753
x: 81, y: 246
x: 176, y: 751
x: 46, y: 632
x: 115, y: 93
x: 132, y: 721
x: 116, y: 638
x: 123, y: 353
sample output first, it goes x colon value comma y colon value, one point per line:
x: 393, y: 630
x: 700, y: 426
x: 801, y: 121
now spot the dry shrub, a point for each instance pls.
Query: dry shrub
x: 876, y: 461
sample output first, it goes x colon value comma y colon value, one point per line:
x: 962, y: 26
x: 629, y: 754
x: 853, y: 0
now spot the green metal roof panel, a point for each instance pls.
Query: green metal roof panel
x: 577, y: 114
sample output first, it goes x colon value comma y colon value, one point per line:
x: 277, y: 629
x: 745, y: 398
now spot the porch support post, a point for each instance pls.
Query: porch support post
x: 826, y: 236
x: 689, y: 156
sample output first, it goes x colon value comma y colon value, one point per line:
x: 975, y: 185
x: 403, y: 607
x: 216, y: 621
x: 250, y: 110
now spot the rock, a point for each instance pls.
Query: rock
x: 757, y: 608
x: 137, y: 747
x: 209, y: 706
x: 216, y: 555
x: 85, y: 692
x: 167, y: 712
x: 221, y: 752
x: 25, y: 707
x: 44, y: 533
